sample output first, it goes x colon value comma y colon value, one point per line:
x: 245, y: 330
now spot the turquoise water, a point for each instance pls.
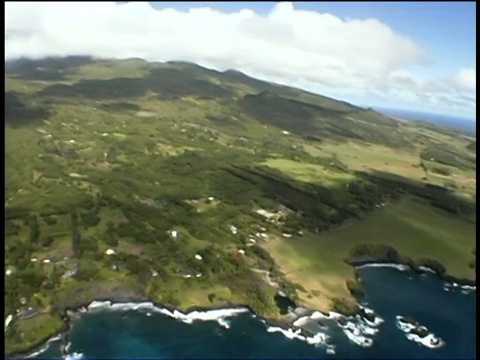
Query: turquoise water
x: 135, y: 334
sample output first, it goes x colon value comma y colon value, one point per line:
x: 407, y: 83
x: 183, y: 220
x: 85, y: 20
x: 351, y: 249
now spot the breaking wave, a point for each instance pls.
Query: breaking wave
x: 74, y: 356
x: 44, y: 346
x: 218, y: 315
x: 399, y: 267
x: 357, y: 329
x: 429, y: 340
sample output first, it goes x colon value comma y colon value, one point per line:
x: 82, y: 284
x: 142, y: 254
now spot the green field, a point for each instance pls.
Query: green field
x: 410, y: 225
x: 310, y: 173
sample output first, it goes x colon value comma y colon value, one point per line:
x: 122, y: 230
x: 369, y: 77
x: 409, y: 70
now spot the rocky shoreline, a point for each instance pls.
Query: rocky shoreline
x: 71, y: 312
x: 412, y: 265
x: 416, y: 332
x: 287, y: 323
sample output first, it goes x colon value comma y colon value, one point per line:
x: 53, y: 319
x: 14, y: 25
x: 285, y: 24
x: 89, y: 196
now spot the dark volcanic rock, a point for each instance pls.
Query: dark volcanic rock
x: 421, y: 331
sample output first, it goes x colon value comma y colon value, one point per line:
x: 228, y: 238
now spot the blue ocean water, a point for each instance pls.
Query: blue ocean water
x: 450, y: 313
x: 457, y: 123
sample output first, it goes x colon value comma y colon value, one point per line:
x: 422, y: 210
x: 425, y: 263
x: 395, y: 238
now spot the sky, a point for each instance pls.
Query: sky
x: 405, y: 55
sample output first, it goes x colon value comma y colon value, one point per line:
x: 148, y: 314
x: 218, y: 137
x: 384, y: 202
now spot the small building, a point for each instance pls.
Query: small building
x: 198, y: 257
x: 28, y: 313
x: 110, y: 252
x: 69, y: 274
x: 8, y: 320
x: 241, y: 252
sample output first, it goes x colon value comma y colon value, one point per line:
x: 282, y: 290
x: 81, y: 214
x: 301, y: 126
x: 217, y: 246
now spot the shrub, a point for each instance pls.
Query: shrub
x: 46, y: 242
x: 90, y: 219
x: 211, y: 297
x: 110, y: 240
x: 50, y: 220
x: 86, y: 272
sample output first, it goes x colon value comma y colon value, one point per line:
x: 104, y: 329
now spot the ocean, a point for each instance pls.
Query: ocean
x: 447, y: 310
x: 456, y: 123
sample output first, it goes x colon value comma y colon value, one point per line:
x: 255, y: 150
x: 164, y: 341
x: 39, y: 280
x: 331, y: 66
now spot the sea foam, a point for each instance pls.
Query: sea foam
x: 317, y: 339
x: 74, y: 356
x: 357, y: 329
x: 464, y: 289
x: 355, y: 335
x: 427, y: 269
x: 431, y: 341
x: 400, y: 267
x: 44, y: 346
x: 218, y: 315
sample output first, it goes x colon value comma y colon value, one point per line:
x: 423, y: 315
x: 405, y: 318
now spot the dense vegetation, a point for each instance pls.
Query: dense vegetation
x: 187, y: 186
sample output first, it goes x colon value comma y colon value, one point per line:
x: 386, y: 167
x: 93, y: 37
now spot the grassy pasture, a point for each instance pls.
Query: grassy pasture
x: 410, y: 225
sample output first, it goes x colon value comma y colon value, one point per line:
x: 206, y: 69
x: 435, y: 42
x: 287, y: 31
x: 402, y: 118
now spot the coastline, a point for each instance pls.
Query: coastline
x: 135, y: 301
x: 71, y: 313
x: 412, y: 265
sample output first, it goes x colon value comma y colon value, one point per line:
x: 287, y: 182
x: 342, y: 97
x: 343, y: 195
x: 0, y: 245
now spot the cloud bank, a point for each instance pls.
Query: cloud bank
x: 312, y: 50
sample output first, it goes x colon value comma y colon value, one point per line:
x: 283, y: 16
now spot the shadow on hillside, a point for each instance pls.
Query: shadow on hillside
x: 449, y: 156
x: 166, y: 83
x: 47, y: 69
x: 120, y: 106
x: 99, y: 89
x: 18, y: 113
x: 438, y: 196
x: 472, y: 146
x: 316, y: 121
x: 174, y: 83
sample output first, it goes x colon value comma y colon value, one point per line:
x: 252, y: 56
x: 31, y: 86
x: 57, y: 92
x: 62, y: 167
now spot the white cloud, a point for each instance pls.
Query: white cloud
x: 288, y: 45
x: 467, y: 79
